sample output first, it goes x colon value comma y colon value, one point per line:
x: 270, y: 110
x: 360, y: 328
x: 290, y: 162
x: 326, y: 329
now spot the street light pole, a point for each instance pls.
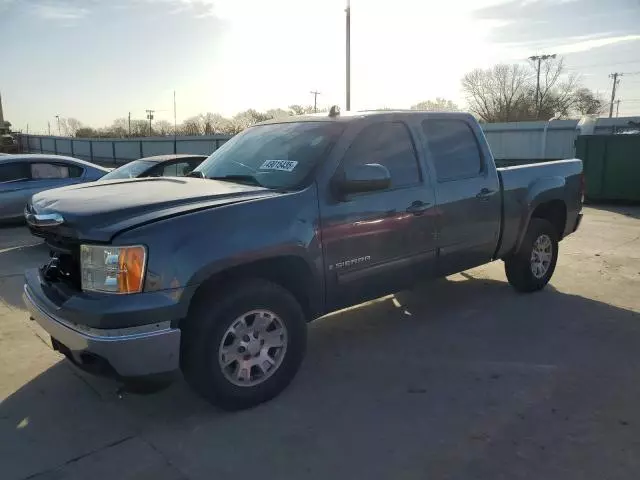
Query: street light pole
x: 348, y: 55
x: 58, y: 119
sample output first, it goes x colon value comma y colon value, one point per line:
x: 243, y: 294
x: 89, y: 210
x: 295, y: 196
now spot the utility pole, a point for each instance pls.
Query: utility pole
x: 617, y: 107
x: 175, y: 125
x: 58, y: 119
x: 150, y: 117
x: 49, y: 127
x: 129, y: 123
x: 616, y: 81
x: 315, y: 100
x: 348, y: 55
x: 539, y: 59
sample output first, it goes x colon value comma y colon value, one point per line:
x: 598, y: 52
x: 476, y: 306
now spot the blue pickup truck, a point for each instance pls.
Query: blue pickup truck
x: 217, y: 274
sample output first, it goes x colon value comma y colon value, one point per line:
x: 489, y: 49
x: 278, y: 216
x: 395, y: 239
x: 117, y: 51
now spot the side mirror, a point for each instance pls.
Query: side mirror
x: 363, y: 178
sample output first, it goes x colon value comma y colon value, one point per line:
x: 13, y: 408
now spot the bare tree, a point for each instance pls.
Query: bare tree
x: 507, y: 93
x: 586, y: 102
x: 86, y: 132
x: 497, y: 94
x: 437, y: 105
x: 191, y: 126
x: 278, y: 113
x: 162, y: 127
x: 305, y: 109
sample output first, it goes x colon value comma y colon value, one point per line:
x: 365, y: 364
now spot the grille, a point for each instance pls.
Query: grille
x: 64, y: 265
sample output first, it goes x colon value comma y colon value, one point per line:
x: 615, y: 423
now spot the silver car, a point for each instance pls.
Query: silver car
x: 23, y: 175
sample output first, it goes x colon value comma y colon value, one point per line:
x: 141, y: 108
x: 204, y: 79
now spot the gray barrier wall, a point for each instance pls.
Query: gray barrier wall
x: 116, y: 151
x: 513, y: 142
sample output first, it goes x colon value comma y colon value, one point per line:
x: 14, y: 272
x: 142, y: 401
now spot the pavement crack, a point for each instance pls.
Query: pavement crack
x: 84, y: 380
x: 80, y: 457
x: 164, y: 457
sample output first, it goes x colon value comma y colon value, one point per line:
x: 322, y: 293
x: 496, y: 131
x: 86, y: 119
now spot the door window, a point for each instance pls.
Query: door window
x: 12, y: 172
x: 453, y: 148
x: 41, y: 171
x: 388, y: 144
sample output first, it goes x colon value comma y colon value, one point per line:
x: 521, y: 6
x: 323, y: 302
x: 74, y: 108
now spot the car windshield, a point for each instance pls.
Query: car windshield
x: 277, y: 156
x: 129, y: 170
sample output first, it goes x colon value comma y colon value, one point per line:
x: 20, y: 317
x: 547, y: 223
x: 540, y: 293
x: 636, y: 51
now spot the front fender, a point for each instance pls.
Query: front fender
x: 186, y: 250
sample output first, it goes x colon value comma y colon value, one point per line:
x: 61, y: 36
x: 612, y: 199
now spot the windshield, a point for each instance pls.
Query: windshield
x: 278, y: 156
x: 129, y: 170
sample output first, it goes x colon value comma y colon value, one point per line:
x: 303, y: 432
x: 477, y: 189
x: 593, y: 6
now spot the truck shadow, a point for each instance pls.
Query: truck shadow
x: 628, y: 209
x: 14, y: 259
x: 450, y: 340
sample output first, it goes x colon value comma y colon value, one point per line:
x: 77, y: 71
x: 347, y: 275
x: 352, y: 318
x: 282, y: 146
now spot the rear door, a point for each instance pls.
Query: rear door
x: 467, y: 192
x: 376, y: 243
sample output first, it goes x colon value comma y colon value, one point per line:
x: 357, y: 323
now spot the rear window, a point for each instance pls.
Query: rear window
x: 11, y: 172
x: 453, y: 148
x: 43, y: 171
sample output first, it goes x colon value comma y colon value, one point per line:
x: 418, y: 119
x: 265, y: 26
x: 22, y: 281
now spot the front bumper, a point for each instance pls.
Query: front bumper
x: 130, y: 352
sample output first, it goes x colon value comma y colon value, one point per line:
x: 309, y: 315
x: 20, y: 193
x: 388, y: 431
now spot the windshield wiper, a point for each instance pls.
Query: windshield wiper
x: 243, y: 179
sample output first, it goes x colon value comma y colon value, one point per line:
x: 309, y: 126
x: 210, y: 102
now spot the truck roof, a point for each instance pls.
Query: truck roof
x: 355, y: 115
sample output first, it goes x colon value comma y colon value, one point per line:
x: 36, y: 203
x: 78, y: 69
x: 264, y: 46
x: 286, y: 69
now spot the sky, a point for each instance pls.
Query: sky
x: 98, y: 60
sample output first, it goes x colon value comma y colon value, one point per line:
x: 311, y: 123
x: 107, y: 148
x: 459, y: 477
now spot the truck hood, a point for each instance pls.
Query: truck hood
x: 98, y: 211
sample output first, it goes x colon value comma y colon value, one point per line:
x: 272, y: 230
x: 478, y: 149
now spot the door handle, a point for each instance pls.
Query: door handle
x: 484, y: 194
x: 418, y: 207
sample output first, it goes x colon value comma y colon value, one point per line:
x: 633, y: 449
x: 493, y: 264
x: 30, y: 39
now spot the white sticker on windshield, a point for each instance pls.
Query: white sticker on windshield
x: 282, y: 165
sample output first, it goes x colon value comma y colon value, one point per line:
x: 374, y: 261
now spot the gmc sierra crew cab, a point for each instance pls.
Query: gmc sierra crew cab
x: 217, y: 274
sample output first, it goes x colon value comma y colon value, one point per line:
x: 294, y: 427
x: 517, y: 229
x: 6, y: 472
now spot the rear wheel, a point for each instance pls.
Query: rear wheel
x: 243, y: 347
x: 531, y: 268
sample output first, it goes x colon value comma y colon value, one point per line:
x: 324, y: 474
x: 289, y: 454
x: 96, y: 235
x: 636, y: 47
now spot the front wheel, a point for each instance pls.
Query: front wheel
x: 243, y: 347
x: 532, y: 266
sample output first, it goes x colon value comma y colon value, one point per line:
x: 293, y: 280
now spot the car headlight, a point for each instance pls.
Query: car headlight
x: 105, y: 268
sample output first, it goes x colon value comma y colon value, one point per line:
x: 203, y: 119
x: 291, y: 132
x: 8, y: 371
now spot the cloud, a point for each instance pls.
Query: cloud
x: 585, y: 45
x: 540, y: 21
x: 196, y: 8
x: 59, y: 11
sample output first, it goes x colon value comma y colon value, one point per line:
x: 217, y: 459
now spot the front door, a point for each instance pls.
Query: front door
x: 376, y: 243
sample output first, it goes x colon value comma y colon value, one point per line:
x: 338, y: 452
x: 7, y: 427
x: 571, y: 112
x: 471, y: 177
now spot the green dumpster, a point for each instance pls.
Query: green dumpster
x: 611, y: 166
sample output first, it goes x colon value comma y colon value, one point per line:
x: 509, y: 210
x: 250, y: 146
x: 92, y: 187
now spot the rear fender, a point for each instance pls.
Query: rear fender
x: 540, y: 191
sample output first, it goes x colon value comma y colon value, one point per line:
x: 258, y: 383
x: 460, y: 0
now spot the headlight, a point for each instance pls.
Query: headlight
x: 112, y: 269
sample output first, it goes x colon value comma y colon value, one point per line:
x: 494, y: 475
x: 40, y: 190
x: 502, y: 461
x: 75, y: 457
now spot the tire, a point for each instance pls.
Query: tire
x: 214, y: 320
x: 525, y: 274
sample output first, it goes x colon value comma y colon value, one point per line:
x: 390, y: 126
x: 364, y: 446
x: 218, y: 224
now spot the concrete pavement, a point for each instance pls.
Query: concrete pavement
x: 457, y: 379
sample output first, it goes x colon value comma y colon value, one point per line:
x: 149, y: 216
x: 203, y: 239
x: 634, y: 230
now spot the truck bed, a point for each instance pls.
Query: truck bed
x: 521, y: 190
